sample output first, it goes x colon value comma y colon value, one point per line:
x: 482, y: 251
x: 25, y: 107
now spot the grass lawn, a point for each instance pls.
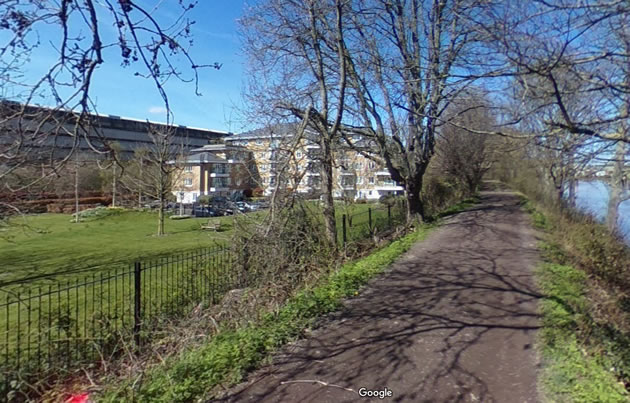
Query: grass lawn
x: 51, y: 243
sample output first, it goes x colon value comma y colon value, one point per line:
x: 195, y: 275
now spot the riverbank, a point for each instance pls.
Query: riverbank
x: 592, y: 199
x: 586, y: 314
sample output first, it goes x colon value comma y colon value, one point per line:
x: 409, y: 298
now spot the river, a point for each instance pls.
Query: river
x: 592, y: 197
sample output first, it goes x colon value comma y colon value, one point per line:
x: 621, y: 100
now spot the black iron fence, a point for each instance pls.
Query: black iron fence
x: 95, y: 317
x: 371, y: 222
x: 85, y: 320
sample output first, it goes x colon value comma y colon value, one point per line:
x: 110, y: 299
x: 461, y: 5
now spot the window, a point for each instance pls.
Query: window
x: 360, y: 180
x: 188, y: 168
x: 194, y: 196
x: 272, y: 181
x: 259, y: 142
x: 371, y: 180
x: 244, y: 143
x: 188, y: 182
x: 372, y: 165
x: 298, y: 154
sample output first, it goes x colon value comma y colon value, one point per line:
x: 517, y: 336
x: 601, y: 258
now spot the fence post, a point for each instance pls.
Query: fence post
x: 343, y: 227
x: 389, y: 214
x: 245, y: 278
x: 137, y: 301
x: 370, y: 217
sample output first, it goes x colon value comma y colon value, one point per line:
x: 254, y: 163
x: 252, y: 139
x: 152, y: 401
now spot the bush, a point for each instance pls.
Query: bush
x: 204, y: 200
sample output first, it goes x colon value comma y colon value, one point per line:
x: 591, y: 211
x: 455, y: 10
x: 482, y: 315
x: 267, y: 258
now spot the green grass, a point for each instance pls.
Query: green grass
x: 227, y: 357
x: 459, y: 207
x: 582, y: 360
x: 572, y: 372
x: 49, y: 243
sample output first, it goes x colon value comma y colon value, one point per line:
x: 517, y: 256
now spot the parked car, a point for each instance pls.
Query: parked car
x: 243, y: 207
x: 204, y: 211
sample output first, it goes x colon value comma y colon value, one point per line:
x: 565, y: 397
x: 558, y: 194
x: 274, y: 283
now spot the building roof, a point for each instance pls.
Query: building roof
x: 280, y: 130
x: 287, y: 130
x: 205, y: 158
x: 218, y: 148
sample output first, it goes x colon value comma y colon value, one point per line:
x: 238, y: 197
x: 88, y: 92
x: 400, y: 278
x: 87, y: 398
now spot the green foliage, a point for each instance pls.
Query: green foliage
x: 572, y: 372
x: 584, y: 355
x: 204, y: 199
x: 459, y: 207
x: 228, y: 356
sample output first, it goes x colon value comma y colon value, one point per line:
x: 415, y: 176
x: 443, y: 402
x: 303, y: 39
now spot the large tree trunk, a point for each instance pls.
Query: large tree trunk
x: 616, y: 191
x: 612, y: 214
x: 572, y: 200
x: 415, y: 206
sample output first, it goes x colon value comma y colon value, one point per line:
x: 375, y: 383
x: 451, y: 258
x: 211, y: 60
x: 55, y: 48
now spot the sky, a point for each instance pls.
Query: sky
x: 117, y: 91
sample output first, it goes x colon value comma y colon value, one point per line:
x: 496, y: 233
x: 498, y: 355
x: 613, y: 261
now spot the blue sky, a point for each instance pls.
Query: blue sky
x: 117, y: 91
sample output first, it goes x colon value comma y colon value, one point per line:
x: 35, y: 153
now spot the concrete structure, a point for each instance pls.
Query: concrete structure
x: 45, y: 128
x: 214, y: 170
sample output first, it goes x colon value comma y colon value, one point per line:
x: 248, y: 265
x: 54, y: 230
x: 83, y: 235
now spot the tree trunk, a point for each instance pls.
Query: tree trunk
x: 330, y: 223
x: 161, y: 218
x: 140, y: 187
x: 572, y: 200
x: 162, y: 188
x: 114, y: 185
x: 76, y: 189
x: 616, y: 187
x: 612, y: 214
x: 415, y: 206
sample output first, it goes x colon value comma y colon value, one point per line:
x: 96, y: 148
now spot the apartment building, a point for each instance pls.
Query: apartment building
x: 280, y: 158
x: 214, y: 170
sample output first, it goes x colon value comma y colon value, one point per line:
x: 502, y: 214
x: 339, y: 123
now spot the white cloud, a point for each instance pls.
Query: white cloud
x: 157, y: 110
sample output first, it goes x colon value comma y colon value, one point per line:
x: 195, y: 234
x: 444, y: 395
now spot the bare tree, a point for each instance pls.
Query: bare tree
x: 156, y: 169
x: 297, y: 52
x: 561, y: 51
x: 410, y: 60
x: 81, y: 35
x: 463, y: 155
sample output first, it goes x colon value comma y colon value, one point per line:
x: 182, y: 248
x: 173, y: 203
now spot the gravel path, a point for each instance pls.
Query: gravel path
x: 454, y: 320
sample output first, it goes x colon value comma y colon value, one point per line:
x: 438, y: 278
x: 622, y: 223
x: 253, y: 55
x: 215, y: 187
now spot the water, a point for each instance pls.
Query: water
x: 592, y: 197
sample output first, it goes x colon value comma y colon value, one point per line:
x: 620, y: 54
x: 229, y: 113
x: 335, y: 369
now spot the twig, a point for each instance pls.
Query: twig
x: 320, y: 382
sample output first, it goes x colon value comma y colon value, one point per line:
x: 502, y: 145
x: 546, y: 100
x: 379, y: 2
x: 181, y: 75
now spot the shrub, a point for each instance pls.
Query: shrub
x: 204, y: 199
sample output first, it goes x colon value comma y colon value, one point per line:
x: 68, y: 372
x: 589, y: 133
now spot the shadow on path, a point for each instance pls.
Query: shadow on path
x: 453, y: 320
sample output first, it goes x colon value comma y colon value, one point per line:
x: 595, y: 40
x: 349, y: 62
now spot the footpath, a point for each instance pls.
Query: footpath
x: 453, y: 320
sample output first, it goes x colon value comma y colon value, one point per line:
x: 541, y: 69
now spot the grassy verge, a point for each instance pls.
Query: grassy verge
x: 227, y: 357
x: 573, y: 370
x: 585, y: 353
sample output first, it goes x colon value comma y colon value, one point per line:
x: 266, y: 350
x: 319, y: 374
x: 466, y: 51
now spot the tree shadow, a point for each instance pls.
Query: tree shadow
x: 454, y: 320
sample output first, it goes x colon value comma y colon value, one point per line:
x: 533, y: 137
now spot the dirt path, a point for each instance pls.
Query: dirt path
x: 454, y: 320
